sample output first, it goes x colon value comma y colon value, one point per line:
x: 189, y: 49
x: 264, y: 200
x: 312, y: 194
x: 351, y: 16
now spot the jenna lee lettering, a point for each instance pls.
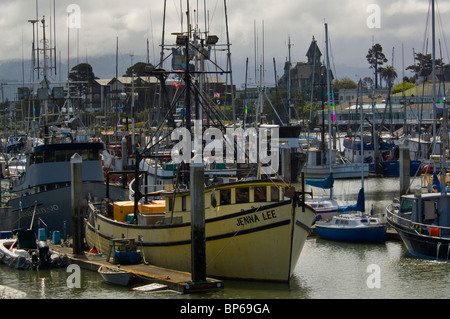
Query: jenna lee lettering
x: 255, y: 218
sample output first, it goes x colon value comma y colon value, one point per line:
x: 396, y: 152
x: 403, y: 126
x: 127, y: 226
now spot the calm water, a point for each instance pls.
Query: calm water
x: 326, y: 270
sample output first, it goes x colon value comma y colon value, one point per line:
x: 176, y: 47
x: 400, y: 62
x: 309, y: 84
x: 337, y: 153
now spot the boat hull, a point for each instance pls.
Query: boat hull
x: 54, y: 207
x: 262, y: 243
x: 392, y: 168
x: 423, y: 246
x: 115, y: 277
x: 341, y: 171
x: 370, y: 234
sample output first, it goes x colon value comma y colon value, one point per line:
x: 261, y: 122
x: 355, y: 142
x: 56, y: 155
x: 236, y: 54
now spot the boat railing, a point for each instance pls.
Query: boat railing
x: 419, y: 228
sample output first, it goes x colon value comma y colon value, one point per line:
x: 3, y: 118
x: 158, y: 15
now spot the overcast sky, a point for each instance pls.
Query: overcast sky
x: 401, y: 22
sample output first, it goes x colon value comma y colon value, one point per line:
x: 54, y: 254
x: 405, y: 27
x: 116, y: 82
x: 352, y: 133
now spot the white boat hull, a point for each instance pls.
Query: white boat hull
x: 340, y: 171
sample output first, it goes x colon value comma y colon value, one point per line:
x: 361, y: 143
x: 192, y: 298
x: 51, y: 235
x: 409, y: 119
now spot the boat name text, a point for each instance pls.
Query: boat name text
x: 250, y: 219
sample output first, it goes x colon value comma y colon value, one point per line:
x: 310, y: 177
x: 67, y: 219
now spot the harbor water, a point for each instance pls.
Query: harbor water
x: 326, y: 269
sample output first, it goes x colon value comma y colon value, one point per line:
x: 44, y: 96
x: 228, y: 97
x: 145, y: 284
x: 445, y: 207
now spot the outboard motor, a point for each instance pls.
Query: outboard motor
x: 44, y: 255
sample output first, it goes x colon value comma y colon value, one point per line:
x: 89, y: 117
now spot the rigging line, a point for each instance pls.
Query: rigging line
x: 442, y: 30
x: 426, y: 28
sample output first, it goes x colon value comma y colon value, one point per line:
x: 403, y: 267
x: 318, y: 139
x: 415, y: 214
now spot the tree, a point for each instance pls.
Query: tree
x: 84, y: 77
x: 139, y: 69
x: 388, y: 74
x: 376, y: 59
x: 424, y: 66
x: 344, y: 83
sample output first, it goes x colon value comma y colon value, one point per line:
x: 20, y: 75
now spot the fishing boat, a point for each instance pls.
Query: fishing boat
x: 423, y: 218
x: 423, y: 221
x: 43, y: 190
x: 115, y: 276
x: 252, y: 229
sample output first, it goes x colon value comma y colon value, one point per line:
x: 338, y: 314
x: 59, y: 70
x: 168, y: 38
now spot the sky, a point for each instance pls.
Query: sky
x: 400, y: 26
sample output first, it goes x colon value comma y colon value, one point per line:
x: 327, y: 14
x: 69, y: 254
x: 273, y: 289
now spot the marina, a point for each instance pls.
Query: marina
x: 172, y: 183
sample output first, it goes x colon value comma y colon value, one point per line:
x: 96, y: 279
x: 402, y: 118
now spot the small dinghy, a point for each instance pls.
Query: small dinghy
x: 115, y: 276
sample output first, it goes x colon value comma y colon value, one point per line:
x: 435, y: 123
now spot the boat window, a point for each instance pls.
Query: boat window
x: 49, y: 157
x: 242, y: 195
x: 274, y: 194
x: 60, y: 156
x: 406, y: 207
x: 225, y: 196
x: 170, y: 204
x: 260, y: 194
x: 39, y: 157
x: 183, y: 203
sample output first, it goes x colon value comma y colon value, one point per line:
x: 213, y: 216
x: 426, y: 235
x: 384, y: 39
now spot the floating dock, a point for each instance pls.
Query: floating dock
x: 174, y: 280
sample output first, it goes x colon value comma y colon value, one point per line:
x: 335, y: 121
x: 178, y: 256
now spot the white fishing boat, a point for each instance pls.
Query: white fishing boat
x: 115, y: 276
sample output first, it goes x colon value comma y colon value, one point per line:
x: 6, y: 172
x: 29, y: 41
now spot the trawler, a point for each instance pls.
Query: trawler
x: 254, y: 230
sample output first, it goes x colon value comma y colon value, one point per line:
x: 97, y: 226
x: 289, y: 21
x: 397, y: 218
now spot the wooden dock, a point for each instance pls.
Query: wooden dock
x: 174, y: 280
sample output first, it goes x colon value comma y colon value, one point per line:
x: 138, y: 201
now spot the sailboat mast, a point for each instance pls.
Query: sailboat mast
x: 328, y: 94
x: 433, y: 32
x: 328, y: 102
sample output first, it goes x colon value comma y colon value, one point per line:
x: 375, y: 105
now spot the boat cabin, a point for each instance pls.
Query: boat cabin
x: 48, y: 166
x: 426, y: 209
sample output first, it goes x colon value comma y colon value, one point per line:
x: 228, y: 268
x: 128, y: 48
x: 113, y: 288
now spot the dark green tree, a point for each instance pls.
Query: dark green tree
x: 83, y: 76
x: 139, y: 69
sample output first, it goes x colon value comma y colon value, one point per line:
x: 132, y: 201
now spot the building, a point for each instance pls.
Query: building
x: 308, y: 78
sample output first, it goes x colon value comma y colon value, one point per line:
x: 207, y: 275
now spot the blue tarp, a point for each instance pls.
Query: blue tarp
x: 358, y: 207
x: 437, y: 183
x: 325, y: 183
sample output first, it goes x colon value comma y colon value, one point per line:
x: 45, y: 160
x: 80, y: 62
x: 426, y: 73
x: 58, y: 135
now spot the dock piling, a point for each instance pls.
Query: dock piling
x: 77, y: 202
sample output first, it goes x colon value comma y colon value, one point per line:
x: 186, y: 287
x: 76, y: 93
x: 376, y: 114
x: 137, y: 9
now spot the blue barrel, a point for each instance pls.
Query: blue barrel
x: 41, y: 234
x: 56, y: 237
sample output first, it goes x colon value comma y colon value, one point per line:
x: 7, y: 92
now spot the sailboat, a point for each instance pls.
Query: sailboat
x: 324, y: 206
x: 319, y: 164
x: 353, y: 225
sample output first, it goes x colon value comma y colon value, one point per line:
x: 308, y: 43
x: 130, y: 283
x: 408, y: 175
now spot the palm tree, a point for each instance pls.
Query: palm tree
x: 389, y: 75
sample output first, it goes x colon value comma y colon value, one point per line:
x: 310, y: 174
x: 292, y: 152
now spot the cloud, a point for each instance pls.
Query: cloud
x: 133, y: 22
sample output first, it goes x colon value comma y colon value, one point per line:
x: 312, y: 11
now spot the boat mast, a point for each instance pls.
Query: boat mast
x: 328, y: 102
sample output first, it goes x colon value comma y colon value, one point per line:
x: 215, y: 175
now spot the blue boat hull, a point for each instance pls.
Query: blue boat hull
x: 392, y: 168
x: 372, y: 234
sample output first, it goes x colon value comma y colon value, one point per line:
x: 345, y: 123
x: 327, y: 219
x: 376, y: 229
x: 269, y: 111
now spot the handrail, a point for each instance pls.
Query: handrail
x: 389, y: 210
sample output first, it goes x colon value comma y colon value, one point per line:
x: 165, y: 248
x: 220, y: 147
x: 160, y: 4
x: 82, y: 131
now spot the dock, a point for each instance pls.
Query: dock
x: 174, y: 280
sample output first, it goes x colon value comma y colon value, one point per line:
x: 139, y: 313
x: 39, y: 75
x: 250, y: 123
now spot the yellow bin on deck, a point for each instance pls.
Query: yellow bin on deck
x: 122, y: 209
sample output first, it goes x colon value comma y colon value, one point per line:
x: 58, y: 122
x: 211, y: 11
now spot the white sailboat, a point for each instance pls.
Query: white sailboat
x: 319, y: 164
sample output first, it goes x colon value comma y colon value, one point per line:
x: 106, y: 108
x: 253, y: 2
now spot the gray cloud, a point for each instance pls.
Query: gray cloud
x: 135, y: 21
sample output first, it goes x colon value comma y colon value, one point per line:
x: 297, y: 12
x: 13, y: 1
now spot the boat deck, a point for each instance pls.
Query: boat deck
x: 173, y: 279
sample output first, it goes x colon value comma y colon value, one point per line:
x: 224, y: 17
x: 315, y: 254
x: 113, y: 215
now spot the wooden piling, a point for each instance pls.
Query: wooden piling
x: 405, y: 167
x: 77, y: 203
x: 198, y: 245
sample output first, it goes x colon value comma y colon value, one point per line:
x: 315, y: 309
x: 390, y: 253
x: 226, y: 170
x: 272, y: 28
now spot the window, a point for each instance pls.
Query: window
x: 242, y: 195
x: 225, y: 196
x: 406, y: 207
x: 274, y: 194
x: 260, y: 194
x: 183, y: 203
